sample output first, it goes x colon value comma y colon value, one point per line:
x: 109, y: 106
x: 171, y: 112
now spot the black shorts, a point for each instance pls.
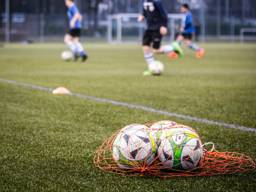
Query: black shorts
x: 188, y: 36
x: 152, y: 38
x: 75, y: 32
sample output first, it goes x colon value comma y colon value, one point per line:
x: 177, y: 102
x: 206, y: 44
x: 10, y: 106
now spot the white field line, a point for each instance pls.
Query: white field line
x: 135, y: 106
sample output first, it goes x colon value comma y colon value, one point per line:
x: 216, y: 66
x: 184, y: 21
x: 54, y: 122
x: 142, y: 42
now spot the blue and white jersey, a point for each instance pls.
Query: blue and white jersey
x: 72, y: 11
x: 155, y: 14
x: 187, y: 23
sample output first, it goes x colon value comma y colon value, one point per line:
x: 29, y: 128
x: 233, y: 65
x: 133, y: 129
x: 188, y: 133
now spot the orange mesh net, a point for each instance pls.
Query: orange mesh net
x: 214, y: 163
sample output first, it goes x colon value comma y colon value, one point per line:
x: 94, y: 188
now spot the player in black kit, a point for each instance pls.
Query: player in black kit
x: 157, y: 21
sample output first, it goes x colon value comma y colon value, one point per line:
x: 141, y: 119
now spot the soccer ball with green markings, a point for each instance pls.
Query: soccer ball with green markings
x: 157, y: 128
x: 134, y: 147
x: 180, y: 148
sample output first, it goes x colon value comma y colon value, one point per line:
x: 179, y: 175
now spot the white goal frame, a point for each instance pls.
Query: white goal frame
x: 247, y: 30
x: 120, y: 25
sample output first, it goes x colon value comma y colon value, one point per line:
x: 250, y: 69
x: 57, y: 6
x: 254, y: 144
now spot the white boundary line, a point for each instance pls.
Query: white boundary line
x: 135, y: 106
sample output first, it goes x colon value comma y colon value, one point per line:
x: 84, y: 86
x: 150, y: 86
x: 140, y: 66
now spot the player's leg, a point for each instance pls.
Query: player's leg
x: 180, y: 39
x: 169, y: 50
x: 80, y: 49
x: 147, y: 50
x: 69, y: 41
x: 158, y: 49
x: 177, y: 46
x: 149, y: 58
x: 193, y: 46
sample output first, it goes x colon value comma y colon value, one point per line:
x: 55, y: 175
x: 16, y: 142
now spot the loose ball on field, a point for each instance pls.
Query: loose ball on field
x: 156, y: 68
x: 133, y: 147
x: 67, y: 56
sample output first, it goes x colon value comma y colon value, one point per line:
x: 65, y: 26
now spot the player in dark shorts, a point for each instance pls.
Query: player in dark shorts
x: 187, y: 32
x: 72, y: 38
x: 157, y: 20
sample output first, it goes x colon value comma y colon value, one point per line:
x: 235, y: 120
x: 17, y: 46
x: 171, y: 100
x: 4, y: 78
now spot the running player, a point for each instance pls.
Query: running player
x: 157, y: 20
x: 72, y: 37
x: 187, y: 32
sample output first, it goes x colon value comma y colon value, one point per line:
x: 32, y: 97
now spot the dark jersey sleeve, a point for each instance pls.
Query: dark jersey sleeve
x: 159, y: 6
x: 144, y: 12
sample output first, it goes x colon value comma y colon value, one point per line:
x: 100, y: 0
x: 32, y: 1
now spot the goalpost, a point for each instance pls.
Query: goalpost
x: 244, y: 31
x: 118, y: 24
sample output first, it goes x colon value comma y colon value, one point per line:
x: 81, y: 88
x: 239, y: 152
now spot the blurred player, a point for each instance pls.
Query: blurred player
x: 187, y: 32
x: 75, y: 24
x: 157, y: 20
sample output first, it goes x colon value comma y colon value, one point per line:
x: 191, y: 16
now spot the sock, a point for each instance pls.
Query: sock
x: 179, y: 42
x: 72, y: 47
x: 80, y: 49
x: 167, y: 49
x: 193, y: 46
x: 149, y: 57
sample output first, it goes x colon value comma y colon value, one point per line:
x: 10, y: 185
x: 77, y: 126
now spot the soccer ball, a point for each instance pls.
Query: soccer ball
x: 134, y: 147
x: 67, y: 55
x: 161, y: 125
x: 156, y: 68
x: 157, y: 128
x: 180, y: 148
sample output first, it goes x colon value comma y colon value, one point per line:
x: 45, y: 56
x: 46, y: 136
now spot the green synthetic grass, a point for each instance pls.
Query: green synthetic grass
x: 47, y: 142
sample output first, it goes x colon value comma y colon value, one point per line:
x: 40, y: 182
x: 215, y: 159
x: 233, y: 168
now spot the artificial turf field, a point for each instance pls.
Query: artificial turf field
x: 47, y: 142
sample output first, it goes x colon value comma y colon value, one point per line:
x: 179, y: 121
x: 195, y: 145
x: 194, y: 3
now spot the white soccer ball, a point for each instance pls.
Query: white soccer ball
x: 156, y: 68
x: 180, y: 148
x: 133, y: 147
x: 67, y: 55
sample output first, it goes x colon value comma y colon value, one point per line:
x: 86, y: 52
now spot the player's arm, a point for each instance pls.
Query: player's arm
x: 77, y: 17
x: 142, y: 16
x: 164, y: 22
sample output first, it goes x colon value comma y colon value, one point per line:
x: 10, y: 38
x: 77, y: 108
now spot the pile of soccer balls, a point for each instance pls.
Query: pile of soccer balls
x: 167, y: 144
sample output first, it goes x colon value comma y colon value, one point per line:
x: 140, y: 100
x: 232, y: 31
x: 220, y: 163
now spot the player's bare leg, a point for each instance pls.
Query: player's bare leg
x: 177, y: 46
x: 200, y: 52
x: 69, y: 41
x: 149, y: 58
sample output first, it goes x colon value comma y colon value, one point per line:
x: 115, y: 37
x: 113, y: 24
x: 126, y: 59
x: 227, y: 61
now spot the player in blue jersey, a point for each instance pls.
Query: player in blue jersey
x: 157, y: 21
x: 74, y: 33
x: 187, y: 32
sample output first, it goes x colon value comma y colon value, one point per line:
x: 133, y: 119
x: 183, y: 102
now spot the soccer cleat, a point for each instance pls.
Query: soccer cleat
x: 173, y: 55
x: 84, y: 58
x: 200, y: 53
x: 147, y: 73
x: 178, y: 49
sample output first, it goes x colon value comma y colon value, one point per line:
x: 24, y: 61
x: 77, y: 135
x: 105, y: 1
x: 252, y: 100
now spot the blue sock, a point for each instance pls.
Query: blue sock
x: 80, y: 49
